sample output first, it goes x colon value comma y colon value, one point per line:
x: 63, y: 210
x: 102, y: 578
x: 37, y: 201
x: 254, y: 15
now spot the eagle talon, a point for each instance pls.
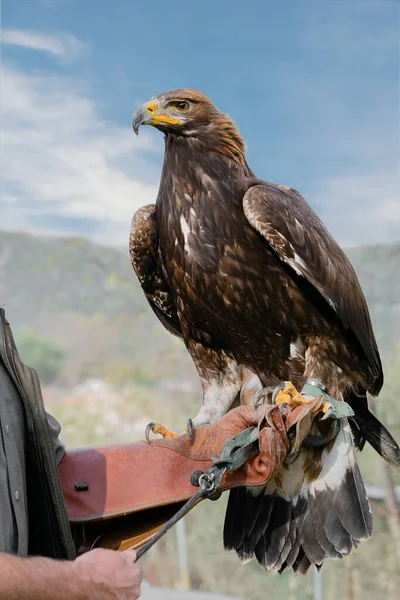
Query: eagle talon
x: 149, y: 428
x: 264, y: 392
x: 190, y: 429
x: 276, y: 390
x: 327, y: 410
x: 159, y: 428
x: 285, y: 392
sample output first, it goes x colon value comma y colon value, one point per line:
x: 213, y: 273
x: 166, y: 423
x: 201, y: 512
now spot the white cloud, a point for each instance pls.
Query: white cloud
x: 66, y: 169
x: 361, y: 210
x: 62, y: 45
x: 62, y: 161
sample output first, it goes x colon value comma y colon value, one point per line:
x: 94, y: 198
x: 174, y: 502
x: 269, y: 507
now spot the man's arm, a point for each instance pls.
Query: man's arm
x: 97, y: 575
x: 54, y: 430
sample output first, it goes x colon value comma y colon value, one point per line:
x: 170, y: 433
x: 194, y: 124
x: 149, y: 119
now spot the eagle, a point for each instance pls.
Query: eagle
x: 249, y: 277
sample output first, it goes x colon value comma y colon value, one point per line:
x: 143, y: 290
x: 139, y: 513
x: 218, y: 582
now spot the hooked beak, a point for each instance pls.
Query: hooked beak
x: 140, y: 117
x: 147, y: 115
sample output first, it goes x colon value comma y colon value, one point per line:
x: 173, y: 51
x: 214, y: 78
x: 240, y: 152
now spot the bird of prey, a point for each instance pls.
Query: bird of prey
x: 249, y: 277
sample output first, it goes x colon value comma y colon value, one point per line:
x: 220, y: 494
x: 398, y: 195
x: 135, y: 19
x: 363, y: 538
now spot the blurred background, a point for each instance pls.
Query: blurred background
x: 314, y: 90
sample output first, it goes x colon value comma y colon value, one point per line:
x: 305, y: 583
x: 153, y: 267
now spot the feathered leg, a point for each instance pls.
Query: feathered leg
x: 220, y: 380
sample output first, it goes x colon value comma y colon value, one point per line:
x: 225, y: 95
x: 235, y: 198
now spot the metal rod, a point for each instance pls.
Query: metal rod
x: 182, y: 555
x: 317, y: 584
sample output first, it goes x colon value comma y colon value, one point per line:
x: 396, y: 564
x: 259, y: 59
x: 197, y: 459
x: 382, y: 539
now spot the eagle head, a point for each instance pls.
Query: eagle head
x: 189, y: 113
x: 176, y: 111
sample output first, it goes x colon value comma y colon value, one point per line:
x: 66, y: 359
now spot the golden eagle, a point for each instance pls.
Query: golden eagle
x: 249, y: 277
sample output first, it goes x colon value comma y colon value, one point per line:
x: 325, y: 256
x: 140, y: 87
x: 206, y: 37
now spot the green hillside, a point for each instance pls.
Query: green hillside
x: 86, y: 298
x: 43, y: 276
x: 82, y: 302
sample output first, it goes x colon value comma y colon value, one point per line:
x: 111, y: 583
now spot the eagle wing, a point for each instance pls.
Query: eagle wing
x: 146, y: 262
x: 295, y: 233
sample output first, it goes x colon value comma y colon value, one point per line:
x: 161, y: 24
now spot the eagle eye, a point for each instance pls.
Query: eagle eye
x: 181, y: 105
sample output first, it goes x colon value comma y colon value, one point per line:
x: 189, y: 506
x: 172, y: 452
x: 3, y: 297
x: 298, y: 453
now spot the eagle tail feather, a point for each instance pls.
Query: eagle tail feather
x: 366, y: 427
x: 325, y: 518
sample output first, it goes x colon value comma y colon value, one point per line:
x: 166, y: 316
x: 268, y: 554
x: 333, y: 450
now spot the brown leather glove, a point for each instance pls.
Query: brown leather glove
x: 123, y: 493
x: 209, y: 440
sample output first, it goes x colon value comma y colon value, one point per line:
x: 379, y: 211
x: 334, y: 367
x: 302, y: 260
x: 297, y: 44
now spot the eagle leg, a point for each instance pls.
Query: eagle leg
x: 287, y: 393
x: 159, y: 428
x: 166, y: 433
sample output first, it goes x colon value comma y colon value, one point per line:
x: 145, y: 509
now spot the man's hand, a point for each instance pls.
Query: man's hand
x: 113, y: 575
x: 97, y: 575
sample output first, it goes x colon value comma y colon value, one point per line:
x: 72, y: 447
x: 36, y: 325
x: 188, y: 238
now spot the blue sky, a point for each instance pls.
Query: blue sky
x: 313, y: 87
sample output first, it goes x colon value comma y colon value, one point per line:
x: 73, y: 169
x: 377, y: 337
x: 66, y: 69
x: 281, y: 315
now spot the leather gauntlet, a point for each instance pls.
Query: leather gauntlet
x: 118, y: 496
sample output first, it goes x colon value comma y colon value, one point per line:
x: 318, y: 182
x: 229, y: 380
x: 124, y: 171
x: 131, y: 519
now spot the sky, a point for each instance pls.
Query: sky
x: 313, y: 87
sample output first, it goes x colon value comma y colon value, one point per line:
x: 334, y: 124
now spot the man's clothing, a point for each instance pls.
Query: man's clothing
x: 13, y: 508
x: 33, y: 519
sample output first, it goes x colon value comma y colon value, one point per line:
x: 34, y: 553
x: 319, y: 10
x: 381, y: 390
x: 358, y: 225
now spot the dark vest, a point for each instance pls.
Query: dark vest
x: 49, y: 531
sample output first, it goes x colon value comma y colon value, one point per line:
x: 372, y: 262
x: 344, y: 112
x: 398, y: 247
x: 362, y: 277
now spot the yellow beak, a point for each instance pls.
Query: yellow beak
x: 147, y: 115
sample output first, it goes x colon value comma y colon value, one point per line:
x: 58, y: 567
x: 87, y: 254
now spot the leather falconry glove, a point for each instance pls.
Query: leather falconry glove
x: 119, y: 496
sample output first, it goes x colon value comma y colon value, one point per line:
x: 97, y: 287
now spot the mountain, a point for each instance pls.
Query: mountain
x: 378, y: 268
x: 86, y: 297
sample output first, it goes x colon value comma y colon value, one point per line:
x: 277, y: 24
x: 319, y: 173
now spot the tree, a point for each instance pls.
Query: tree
x: 43, y: 354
